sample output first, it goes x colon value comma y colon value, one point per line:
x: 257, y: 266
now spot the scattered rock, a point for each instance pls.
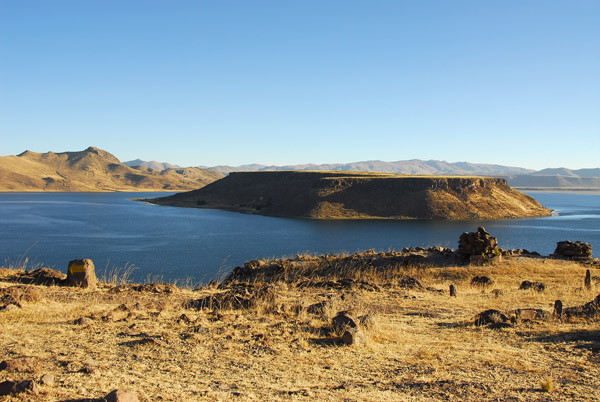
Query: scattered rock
x: 9, y: 307
x: 345, y: 284
x: 47, y: 379
x: 162, y: 288
x: 342, y: 321
x: 89, y: 366
x: 530, y: 314
x: 367, y: 321
x: 42, y: 276
x: 497, y: 292
x: 82, y: 273
x: 242, y: 296
x: 482, y: 281
x: 121, y: 395
x: 13, y: 387
x: 8, y: 387
x: 588, y: 280
x: 20, y: 365
x: 588, y: 310
x: 354, y: 337
x: 499, y: 325
x: 184, y: 318
x: 85, y: 321
x: 147, y: 341
x: 320, y: 308
x: 22, y: 293
x: 573, y: 249
x: 558, y: 309
x: 409, y: 282
x: 478, y: 243
x: 490, y: 317
x: 537, y: 286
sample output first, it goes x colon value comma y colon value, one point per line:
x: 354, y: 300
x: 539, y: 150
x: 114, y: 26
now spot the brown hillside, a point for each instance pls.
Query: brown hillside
x: 92, y: 170
x: 334, y: 195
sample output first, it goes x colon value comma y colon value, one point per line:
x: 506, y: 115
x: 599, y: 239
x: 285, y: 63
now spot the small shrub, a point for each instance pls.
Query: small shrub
x: 547, y: 385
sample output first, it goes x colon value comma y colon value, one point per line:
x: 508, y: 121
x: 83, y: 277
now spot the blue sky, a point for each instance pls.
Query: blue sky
x: 284, y: 82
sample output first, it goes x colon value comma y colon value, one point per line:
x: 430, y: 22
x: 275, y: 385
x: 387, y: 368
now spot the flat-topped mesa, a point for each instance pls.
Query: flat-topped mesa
x: 359, y: 195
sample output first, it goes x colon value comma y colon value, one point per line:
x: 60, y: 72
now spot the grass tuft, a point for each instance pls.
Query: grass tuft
x: 547, y: 385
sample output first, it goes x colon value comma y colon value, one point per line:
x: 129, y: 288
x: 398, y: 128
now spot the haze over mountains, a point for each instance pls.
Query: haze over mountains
x: 558, y: 178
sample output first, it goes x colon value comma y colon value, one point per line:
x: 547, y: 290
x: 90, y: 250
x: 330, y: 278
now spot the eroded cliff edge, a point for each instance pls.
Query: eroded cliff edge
x: 357, y: 195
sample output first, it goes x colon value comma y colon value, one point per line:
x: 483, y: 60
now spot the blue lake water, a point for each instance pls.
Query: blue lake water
x: 167, y: 243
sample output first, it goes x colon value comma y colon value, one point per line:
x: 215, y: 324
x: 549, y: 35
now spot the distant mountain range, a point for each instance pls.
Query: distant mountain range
x: 92, y: 170
x: 560, y: 178
x: 150, y: 165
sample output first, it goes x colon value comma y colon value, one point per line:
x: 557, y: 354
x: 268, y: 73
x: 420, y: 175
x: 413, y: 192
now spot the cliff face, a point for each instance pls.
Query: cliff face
x: 335, y: 195
x: 92, y: 170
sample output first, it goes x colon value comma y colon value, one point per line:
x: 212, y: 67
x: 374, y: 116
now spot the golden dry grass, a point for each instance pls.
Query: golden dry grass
x: 422, y: 348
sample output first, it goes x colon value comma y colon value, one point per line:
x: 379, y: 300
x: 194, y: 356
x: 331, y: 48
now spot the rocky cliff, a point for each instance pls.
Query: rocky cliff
x: 336, y: 195
x: 92, y: 170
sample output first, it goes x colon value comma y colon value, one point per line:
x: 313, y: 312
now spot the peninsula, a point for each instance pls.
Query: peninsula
x: 360, y: 195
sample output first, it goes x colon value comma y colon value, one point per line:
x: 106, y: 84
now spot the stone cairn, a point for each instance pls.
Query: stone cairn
x: 477, y: 246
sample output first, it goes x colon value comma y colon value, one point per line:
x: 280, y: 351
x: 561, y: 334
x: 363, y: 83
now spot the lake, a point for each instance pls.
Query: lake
x: 168, y: 243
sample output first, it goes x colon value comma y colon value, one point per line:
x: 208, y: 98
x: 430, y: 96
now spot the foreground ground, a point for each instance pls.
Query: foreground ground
x: 421, y: 345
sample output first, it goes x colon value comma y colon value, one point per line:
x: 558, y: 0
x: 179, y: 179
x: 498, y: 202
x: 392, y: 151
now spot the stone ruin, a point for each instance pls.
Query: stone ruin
x: 572, y: 250
x: 478, y: 243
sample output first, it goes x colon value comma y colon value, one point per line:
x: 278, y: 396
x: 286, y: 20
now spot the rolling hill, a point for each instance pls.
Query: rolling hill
x: 92, y: 170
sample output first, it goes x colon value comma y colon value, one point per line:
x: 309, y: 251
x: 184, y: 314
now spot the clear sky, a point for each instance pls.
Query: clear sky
x: 312, y: 81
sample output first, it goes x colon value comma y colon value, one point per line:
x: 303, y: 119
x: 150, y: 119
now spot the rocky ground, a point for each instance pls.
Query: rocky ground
x: 389, y: 331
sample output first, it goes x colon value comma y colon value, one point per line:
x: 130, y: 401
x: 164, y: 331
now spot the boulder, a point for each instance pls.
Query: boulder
x: 558, y: 309
x: 537, y: 286
x: 490, y: 316
x: 530, y: 314
x: 20, y: 365
x: 367, y: 321
x: 482, y: 281
x: 121, y: 395
x: 22, y: 293
x: 573, y: 249
x: 587, y: 282
x: 354, y: 337
x: 8, y: 387
x: 342, y: 321
x: 13, y: 387
x: 477, y: 243
x: 588, y: 310
x: 47, y: 379
x: 43, y: 276
x: 81, y: 273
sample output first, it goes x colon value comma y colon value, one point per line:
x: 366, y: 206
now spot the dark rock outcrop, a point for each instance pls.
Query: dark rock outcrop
x: 573, y: 249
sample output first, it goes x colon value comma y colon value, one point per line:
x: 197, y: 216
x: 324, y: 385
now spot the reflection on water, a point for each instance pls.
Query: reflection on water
x: 181, y: 243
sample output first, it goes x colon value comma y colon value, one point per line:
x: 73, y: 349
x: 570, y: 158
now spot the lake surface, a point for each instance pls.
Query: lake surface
x: 168, y: 243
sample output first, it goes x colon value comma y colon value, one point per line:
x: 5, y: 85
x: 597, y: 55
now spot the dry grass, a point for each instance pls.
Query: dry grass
x: 422, y: 347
